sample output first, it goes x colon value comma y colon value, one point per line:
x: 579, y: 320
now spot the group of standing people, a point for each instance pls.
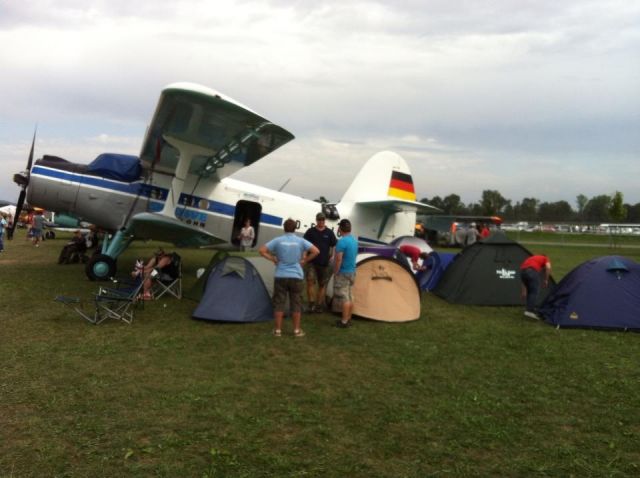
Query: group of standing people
x: 296, y: 257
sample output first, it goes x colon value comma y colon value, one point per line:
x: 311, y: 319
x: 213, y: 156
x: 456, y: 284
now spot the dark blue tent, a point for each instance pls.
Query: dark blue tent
x: 601, y: 293
x: 436, y: 265
x: 234, y: 292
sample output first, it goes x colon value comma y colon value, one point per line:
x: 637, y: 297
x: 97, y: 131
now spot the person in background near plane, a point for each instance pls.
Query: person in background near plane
x: 472, y: 235
x: 36, y: 228
x: 289, y: 253
x: 531, y: 271
x: 484, y: 231
x: 318, y: 270
x: 345, y: 267
x: 246, y: 236
x: 3, y: 225
x: 415, y: 254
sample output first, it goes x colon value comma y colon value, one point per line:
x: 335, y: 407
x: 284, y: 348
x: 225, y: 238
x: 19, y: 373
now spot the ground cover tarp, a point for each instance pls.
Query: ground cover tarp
x: 602, y: 293
x: 486, y: 273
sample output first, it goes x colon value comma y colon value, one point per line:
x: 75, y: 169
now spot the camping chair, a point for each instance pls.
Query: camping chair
x: 168, y: 279
x: 109, y: 303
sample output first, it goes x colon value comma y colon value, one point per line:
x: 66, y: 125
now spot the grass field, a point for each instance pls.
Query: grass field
x: 465, y: 391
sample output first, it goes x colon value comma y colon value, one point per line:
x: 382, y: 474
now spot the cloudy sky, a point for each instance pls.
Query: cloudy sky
x: 532, y: 98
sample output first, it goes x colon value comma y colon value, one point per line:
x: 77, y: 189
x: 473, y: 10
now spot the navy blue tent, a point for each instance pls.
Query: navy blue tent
x: 601, y: 293
x: 234, y: 292
x: 437, y: 264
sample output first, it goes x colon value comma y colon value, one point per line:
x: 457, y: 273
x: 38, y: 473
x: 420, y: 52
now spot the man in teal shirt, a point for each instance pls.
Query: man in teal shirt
x: 345, y: 267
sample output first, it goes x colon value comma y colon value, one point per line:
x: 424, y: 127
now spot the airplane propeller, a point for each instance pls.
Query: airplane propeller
x: 22, y: 180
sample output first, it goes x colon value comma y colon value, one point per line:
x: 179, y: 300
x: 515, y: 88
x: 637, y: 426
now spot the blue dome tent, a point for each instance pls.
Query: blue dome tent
x: 234, y: 292
x: 602, y: 293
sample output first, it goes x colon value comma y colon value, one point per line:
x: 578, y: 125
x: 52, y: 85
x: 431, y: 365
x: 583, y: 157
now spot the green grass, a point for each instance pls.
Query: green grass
x: 465, y: 391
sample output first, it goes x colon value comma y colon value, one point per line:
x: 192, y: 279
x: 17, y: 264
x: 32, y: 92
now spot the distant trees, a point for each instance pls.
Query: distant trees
x: 617, y: 210
x: 598, y: 209
x: 554, y: 211
x: 492, y: 203
x: 581, y: 202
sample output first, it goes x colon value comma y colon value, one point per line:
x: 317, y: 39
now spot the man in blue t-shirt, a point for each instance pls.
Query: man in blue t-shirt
x: 345, y: 266
x: 289, y: 253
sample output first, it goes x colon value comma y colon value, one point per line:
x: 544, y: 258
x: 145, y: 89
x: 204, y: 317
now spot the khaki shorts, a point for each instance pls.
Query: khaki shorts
x: 342, y: 284
x: 319, y: 274
x: 291, y: 288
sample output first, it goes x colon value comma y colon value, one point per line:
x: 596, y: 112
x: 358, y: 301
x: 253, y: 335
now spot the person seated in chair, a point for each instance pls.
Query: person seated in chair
x: 74, y: 250
x: 160, y: 260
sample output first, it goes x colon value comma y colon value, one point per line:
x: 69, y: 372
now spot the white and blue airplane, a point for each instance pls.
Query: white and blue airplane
x: 179, y: 190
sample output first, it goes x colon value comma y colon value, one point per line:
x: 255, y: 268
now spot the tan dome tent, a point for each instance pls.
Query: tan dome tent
x: 384, y: 290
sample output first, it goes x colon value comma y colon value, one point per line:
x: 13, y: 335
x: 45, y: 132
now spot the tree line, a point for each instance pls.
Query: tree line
x: 598, y: 209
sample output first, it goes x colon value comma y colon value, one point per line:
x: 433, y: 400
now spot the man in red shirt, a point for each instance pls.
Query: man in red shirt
x: 415, y: 254
x: 531, y: 271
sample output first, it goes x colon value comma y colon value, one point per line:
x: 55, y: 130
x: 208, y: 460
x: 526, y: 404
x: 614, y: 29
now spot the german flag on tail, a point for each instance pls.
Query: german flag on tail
x: 401, y: 186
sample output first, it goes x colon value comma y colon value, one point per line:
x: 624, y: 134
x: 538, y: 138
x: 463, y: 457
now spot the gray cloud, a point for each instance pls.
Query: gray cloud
x: 480, y: 86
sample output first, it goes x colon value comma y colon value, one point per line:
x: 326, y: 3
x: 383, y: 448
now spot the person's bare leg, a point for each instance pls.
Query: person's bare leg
x: 296, y: 317
x: 347, y: 309
x: 311, y: 296
x: 278, y: 318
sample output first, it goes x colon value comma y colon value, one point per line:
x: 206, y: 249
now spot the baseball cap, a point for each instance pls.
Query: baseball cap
x: 344, y: 222
x: 320, y: 216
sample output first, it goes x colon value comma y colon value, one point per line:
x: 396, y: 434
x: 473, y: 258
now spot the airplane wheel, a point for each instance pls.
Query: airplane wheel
x: 100, y: 267
x: 50, y: 235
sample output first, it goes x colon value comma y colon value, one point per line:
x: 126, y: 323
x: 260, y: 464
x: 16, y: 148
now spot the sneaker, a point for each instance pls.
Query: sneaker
x: 277, y: 333
x: 342, y: 325
x: 531, y: 315
x: 298, y: 333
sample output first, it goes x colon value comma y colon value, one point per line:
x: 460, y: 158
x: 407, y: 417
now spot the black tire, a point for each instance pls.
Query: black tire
x: 100, y: 267
x: 50, y: 235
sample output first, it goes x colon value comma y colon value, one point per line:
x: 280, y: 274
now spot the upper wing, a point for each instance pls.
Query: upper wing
x: 148, y: 225
x: 228, y: 134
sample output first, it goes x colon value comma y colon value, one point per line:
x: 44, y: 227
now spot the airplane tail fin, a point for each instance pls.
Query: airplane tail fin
x: 383, y: 196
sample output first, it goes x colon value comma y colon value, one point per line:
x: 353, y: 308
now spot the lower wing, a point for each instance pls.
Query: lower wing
x: 148, y: 225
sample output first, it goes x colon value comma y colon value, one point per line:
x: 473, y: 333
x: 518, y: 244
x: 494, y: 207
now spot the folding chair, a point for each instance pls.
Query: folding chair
x: 109, y: 303
x: 168, y: 280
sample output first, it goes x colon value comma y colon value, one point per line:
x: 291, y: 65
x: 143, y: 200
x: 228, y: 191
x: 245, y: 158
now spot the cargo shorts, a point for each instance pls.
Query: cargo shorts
x: 315, y: 273
x: 291, y: 288
x: 342, y: 284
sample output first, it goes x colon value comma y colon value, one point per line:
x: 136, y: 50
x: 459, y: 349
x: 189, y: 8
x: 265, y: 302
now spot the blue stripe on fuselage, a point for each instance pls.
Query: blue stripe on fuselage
x: 157, y: 194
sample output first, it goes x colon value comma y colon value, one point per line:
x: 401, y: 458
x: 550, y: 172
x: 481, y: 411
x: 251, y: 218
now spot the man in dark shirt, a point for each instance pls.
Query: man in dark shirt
x: 318, y: 271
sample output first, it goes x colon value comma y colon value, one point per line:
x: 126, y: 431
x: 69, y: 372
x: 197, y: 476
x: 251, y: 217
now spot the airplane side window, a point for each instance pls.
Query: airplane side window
x: 297, y: 224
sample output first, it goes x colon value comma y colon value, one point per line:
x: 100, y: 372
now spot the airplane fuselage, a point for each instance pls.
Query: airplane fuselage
x: 219, y: 208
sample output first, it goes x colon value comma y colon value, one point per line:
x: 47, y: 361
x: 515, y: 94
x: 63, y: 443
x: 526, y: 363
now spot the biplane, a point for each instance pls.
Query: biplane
x: 180, y: 188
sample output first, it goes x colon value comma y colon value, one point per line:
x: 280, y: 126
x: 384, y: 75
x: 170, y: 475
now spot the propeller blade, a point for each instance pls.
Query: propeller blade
x: 33, y: 142
x: 23, y: 194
